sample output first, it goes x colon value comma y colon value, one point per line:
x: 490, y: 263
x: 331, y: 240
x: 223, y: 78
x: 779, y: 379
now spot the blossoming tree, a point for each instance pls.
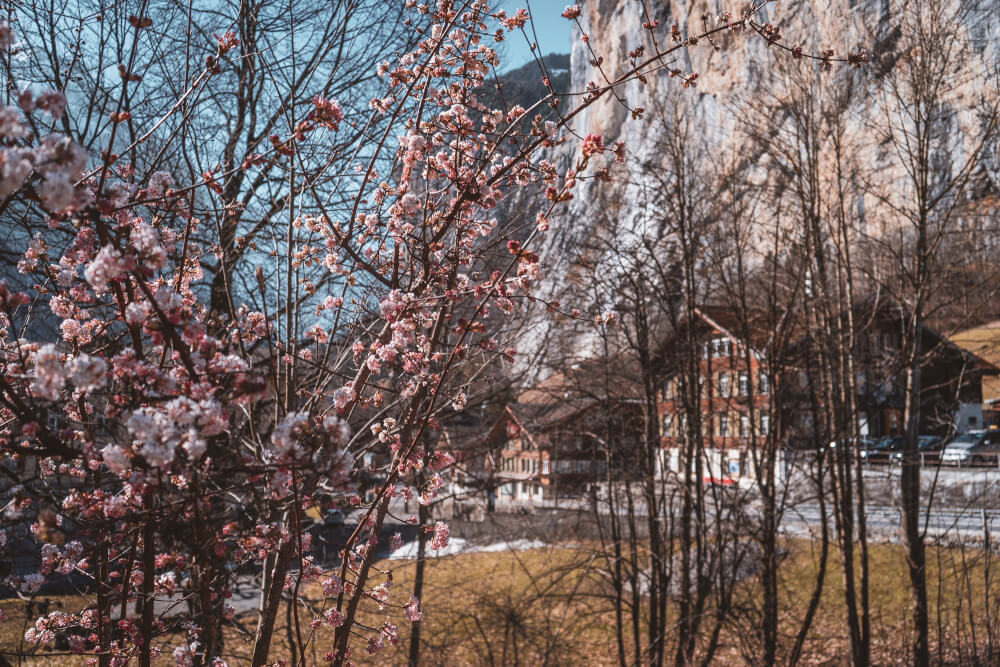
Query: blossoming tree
x: 174, y: 448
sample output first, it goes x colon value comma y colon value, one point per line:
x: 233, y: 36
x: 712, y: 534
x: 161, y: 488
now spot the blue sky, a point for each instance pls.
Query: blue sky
x: 551, y: 28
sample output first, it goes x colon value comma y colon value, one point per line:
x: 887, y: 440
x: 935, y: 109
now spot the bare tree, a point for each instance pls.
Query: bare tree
x: 923, y: 119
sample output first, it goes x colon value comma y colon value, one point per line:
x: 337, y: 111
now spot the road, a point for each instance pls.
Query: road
x: 885, y: 520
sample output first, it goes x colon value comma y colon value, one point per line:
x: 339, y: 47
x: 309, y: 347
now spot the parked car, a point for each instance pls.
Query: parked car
x: 847, y: 444
x: 883, y: 449
x: 972, y: 447
x: 926, y: 444
x: 867, y: 447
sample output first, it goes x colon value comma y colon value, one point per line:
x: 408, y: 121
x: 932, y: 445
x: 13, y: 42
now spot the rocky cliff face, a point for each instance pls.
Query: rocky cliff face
x: 734, y: 71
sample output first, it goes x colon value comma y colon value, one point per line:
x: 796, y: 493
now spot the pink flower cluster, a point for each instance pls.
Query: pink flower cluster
x: 181, y: 422
x: 441, y: 535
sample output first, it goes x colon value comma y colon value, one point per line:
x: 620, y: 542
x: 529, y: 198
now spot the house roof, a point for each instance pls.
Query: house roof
x: 980, y: 347
x: 982, y: 342
x: 572, y: 394
x: 728, y: 322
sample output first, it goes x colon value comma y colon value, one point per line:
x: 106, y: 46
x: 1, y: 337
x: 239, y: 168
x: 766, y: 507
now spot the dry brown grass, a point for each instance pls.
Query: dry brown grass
x: 550, y: 606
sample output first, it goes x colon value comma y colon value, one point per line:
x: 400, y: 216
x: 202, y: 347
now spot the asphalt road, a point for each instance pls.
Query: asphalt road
x: 968, y: 523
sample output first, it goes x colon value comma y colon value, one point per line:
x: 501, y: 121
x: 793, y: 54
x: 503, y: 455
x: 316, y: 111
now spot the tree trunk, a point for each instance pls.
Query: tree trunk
x: 909, y: 487
x: 418, y: 584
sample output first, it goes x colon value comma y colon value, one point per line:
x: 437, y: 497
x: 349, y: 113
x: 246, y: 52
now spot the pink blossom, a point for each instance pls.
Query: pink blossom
x: 412, y: 610
x: 116, y: 459
x: 571, y: 12
x: 416, y: 143
x: 184, y: 655
x: 107, y: 266
x: 146, y: 240
x: 50, y: 373
x: 25, y: 100
x: 337, y: 429
x: 286, y: 433
x: 32, y: 583
x: 332, y: 586
x: 56, y: 191
x: 88, y: 372
x: 12, y: 124
x: 441, y: 535
x: 6, y: 35
x: 17, y: 165
x: 514, y: 113
x: 343, y: 396
x: 160, y: 182
x: 592, y: 144
x: 53, y: 102
x: 331, y: 302
x: 334, y: 617
x: 410, y: 204
x: 137, y: 313
x: 327, y: 113
x: 440, y: 460
x: 58, y: 153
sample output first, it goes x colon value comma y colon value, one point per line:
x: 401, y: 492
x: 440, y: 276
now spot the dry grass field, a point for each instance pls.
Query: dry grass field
x: 552, y: 606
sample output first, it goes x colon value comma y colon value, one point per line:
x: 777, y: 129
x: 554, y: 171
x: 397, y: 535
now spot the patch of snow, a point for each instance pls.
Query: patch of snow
x: 457, y: 545
x: 516, y: 545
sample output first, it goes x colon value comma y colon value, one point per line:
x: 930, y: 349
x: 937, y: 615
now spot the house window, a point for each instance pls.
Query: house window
x: 763, y: 384
x: 744, y: 426
x: 665, y: 430
x: 803, y: 380
x: 704, y: 350
x: 545, y: 467
x: 765, y: 424
x: 720, y: 347
x: 862, y: 384
x: 724, y: 385
x: 724, y: 425
x: 973, y: 421
x: 668, y: 389
x: 744, y: 384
